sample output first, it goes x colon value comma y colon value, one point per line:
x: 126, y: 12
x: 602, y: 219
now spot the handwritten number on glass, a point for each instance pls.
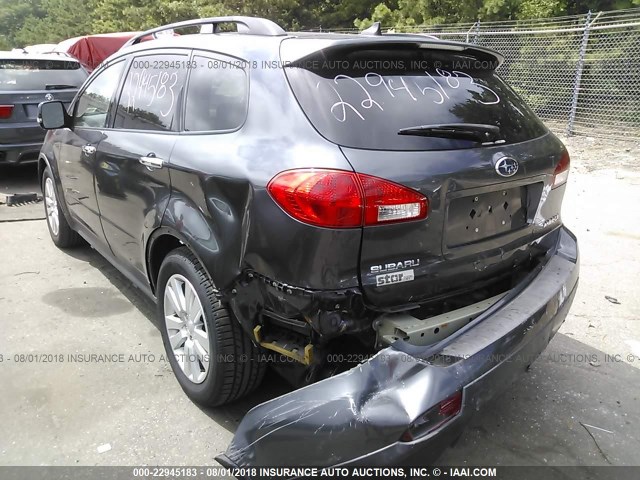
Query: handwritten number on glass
x: 367, y: 102
x: 453, y: 81
x: 473, y: 82
x: 144, y: 86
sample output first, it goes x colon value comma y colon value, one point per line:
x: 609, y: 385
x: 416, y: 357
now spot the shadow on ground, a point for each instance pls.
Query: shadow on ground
x: 19, y: 178
x: 228, y: 416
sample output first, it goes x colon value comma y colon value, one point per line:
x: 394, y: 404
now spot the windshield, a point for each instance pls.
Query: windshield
x: 29, y: 74
x: 363, y: 98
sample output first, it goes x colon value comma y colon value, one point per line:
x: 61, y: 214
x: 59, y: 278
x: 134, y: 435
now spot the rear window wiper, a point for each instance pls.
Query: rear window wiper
x: 465, y: 131
x: 59, y: 87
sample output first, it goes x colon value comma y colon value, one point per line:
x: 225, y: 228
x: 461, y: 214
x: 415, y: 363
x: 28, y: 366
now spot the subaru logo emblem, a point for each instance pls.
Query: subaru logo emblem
x: 48, y: 97
x: 506, y: 167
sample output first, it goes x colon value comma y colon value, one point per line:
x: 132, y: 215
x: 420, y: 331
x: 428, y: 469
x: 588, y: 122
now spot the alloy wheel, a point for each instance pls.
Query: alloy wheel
x: 186, y: 328
x: 51, y: 205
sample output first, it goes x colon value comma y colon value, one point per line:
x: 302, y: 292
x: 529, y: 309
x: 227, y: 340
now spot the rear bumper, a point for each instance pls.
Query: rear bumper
x: 20, y: 142
x: 20, y: 153
x: 359, y: 416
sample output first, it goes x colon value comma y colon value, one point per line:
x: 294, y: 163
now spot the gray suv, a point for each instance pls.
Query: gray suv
x: 376, y: 217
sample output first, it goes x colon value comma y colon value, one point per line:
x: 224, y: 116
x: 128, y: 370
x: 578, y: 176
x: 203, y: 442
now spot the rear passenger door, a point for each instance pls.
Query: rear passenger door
x: 132, y: 178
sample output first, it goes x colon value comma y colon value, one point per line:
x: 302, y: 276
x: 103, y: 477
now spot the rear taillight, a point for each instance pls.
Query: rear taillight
x: 434, y: 418
x: 6, y: 111
x: 341, y: 199
x: 561, y: 173
x: 320, y: 197
x: 387, y: 202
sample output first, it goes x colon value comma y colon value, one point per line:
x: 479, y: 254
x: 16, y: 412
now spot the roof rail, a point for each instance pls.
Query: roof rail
x: 246, y: 25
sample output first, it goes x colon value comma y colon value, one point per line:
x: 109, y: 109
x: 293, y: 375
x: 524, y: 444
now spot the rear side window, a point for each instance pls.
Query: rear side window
x: 29, y: 74
x: 92, y: 106
x: 362, y: 98
x: 216, y: 96
x: 151, y: 94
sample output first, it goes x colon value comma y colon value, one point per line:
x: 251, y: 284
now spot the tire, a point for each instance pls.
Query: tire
x: 61, y: 233
x: 232, y: 369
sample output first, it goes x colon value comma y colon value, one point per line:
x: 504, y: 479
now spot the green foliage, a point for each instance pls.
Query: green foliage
x: 407, y: 13
x: 62, y: 17
x: 27, y: 22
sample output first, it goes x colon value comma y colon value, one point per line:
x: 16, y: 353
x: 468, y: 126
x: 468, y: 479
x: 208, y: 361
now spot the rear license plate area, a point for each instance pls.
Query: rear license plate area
x: 478, y: 217
x: 31, y: 111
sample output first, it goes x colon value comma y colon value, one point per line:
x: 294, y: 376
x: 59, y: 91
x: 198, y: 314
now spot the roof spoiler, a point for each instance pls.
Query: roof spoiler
x: 299, y: 52
x: 246, y: 25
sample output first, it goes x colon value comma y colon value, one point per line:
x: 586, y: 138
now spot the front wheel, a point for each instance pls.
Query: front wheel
x: 212, y: 358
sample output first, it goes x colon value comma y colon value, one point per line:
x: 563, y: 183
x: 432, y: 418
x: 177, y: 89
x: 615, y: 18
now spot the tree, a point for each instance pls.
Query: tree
x: 406, y: 13
x: 13, y: 15
x: 63, y: 19
x: 24, y: 22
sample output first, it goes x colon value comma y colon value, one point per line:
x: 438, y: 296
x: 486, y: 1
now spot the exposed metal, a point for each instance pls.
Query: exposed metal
x: 416, y: 331
x: 294, y: 351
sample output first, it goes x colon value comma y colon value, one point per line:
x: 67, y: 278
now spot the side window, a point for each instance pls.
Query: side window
x: 151, y: 94
x: 93, y: 105
x: 216, y: 96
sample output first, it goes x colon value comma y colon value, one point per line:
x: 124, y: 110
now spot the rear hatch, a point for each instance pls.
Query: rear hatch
x: 24, y: 83
x: 434, y: 117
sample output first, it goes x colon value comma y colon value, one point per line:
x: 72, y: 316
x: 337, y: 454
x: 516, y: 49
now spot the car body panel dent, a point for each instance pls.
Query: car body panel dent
x: 359, y: 416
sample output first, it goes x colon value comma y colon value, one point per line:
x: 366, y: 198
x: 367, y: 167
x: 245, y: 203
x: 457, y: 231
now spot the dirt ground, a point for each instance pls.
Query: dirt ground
x: 578, y: 405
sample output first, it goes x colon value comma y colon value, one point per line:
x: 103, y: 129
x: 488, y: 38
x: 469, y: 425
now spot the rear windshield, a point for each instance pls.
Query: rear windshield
x: 29, y: 74
x: 362, y: 98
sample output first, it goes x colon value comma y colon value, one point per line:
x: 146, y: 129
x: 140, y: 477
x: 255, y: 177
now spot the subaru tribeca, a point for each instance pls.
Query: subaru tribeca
x: 377, y: 217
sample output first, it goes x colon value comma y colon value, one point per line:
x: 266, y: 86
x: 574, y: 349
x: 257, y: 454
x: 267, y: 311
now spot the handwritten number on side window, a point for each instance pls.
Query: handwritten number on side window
x: 145, y: 86
x: 174, y: 77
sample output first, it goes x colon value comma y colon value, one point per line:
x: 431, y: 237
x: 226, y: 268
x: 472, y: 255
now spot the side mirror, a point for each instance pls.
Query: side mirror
x: 52, y: 115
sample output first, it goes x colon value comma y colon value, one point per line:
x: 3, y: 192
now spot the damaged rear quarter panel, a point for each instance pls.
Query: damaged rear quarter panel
x: 221, y: 206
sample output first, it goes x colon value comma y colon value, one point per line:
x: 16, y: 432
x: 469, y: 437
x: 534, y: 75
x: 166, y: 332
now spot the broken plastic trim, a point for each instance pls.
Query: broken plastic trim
x: 358, y: 417
x: 434, y: 418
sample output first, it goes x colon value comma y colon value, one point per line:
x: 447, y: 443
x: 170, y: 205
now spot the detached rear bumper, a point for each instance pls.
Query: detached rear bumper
x: 359, y: 416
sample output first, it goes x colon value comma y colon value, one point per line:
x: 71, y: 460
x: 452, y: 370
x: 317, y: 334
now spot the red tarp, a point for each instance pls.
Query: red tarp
x: 92, y: 50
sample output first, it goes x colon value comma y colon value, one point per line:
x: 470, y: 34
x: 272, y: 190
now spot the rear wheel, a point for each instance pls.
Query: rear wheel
x: 61, y: 233
x: 214, y: 361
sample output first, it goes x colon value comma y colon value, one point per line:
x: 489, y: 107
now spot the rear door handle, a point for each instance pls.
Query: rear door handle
x: 88, y: 149
x: 151, y: 161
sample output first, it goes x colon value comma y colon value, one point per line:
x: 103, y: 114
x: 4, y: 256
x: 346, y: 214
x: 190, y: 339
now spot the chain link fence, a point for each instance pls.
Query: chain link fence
x: 581, y: 74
